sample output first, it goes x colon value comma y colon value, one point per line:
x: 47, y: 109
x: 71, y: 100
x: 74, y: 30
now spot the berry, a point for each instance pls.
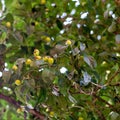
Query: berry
x: 20, y: 109
x: 36, y: 23
x: 52, y: 114
x: 38, y: 57
x: 80, y: 118
x: 45, y: 58
x: 42, y: 2
x: 8, y: 24
x: 28, y: 61
x: 47, y: 39
x: 18, y: 82
x: 50, y: 60
x: 68, y: 42
x: 14, y: 67
x: 36, y: 52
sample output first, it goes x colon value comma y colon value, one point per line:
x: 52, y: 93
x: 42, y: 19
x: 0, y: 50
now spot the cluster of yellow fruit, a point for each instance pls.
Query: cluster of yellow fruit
x: 17, y: 81
x: 48, y: 59
x: 36, y: 54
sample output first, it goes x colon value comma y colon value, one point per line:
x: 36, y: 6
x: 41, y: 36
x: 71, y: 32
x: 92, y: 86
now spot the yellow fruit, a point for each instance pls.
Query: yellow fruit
x: 47, y: 39
x: 38, y: 57
x: 18, y: 82
x: 50, y: 60
x: 28, y: 61
x: 46, y: 9
x: 42, y: 2
x: 21, y: 109
x: 52, y: 114
x: 36, y: 23
x: 36, y: 52
x: 8, y: 24
x: 45, y: 58
x: 14, y: 67
x: 68, y: 42
x: 80, y: 118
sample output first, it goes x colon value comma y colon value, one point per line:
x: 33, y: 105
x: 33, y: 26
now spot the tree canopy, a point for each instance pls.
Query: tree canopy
x: 60, y: 59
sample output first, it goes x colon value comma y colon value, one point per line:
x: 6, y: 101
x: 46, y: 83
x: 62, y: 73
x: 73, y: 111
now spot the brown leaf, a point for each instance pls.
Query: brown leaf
x: 58, y: 49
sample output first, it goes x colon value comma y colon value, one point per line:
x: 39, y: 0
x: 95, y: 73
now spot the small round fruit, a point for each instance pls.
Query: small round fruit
x: 36, y: 52
x: 36, y: 23
x: 47, y: 39
x: 38, y: 57
x: 18, y: 82
x: 50, y: 60
x: 14, y: 67
x: 8, y: 24
x: 80, y: 118
x: 20, y: 109
x: 42, y: 2
x: 28, y: 61
x: 52, y: 114
x: 68, y: 42
x: 45, y: 58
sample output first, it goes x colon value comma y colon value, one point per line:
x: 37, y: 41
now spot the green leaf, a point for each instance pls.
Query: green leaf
x: 42, y: 95
x: 9, y: 18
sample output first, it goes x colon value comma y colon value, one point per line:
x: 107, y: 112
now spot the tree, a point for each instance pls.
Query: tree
x: 59, y: 60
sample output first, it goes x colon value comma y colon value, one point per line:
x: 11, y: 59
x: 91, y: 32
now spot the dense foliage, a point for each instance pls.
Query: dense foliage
x: 59, y: 59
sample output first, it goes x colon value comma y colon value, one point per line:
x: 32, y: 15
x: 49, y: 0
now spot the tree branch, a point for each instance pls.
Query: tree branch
x: 17, y: 105
x: 10, y: 100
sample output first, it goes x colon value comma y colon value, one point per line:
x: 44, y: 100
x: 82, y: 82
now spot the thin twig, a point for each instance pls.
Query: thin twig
x: 99, y: 86
x: 112, y: 77
x: 102, y: 100
x: 37, y: 114
x: 115, y: 84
